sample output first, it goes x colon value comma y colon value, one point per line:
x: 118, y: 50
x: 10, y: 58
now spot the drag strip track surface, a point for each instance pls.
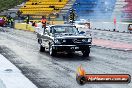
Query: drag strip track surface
x: 21, y: 48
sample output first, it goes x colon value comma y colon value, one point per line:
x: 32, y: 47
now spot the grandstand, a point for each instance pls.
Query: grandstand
x: 127, y: 11
x: 84, y: 9
x: 104, y: 10
x: 94, y: 9
x: 39, y: 8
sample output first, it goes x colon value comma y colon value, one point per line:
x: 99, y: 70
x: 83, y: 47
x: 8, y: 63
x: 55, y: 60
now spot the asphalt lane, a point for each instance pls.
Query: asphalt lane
x: 113, y: 36
x: 21, y: 48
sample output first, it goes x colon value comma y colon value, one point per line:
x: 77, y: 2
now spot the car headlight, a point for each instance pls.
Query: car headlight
x: 64, y: 40
x: 90, y: 40
x: 57, y: 41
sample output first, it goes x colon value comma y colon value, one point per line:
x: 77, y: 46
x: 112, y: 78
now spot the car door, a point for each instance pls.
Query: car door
x: 46, y: 37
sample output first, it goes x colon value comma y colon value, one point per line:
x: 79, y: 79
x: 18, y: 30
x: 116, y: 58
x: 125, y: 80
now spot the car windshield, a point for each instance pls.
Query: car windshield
x: 81, y: 23
x: 65, y: 29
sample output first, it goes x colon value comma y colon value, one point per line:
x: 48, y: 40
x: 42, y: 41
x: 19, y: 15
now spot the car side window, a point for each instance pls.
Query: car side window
x: 47, y: 31
x: 51, y: 30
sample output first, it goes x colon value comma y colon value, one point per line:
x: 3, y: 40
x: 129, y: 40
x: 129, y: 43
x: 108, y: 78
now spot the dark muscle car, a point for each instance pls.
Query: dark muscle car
x: 64, y: 38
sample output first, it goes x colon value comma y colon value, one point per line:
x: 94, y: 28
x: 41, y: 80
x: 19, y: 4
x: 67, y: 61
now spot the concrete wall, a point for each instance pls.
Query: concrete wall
x: 29, y: 27
x: 120, y: 26
x: 24, y: 26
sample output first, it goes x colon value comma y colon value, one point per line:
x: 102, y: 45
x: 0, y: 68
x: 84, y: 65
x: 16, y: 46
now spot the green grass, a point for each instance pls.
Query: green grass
x: 7, y: 4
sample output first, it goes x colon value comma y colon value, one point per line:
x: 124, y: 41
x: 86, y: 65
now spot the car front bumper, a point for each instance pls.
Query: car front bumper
x: 67, y: 48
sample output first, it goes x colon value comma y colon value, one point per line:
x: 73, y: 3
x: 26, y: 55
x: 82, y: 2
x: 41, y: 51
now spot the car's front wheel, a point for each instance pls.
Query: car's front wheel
x: 52, y: 52
x: 86, y: 52
x: 42, y: 49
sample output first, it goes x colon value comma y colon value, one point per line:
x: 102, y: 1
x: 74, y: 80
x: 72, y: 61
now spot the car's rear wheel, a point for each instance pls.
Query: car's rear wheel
x: 42, y: 49
x: 52, y: 52
x: 86, y: 52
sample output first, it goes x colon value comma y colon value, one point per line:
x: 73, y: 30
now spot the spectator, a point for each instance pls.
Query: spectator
x: 27, y: 19
x: 12, y: 22
x: 33, y: 24
x: 43, y: 21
